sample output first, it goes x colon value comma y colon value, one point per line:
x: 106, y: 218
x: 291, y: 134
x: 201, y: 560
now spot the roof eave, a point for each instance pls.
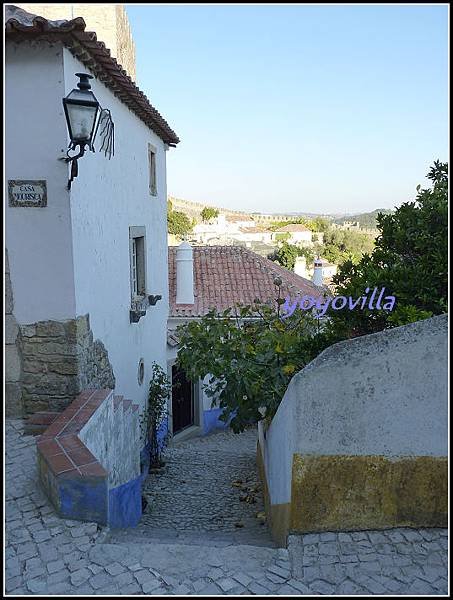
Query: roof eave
x: 96, y: 57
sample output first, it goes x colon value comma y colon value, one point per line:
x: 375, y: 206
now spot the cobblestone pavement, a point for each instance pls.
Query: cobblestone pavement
x: 49, y: 555
x: 209, y: 486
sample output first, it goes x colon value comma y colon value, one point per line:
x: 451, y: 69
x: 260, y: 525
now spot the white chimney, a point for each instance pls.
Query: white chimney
x: 184, y: 274
x: 300, y: 266
x: 317, y: 272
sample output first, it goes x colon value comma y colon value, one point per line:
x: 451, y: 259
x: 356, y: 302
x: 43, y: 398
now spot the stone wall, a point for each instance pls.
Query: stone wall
x: 13, y: 367
x: 125, y: 47
x: 59, y: 360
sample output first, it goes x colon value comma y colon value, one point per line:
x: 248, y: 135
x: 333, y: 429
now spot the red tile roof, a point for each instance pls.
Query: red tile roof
x: 84, y: 45
x: 228, y: 275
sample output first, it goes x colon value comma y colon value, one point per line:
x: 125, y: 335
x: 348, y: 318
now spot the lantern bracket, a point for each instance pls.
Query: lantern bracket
x: 83, y: 98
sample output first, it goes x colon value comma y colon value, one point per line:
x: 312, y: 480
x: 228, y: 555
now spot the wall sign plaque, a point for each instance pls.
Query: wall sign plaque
x: 27, y: 192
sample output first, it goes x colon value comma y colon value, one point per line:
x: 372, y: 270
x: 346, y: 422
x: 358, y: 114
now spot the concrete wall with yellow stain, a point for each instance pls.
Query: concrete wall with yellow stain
x: 360, y: 438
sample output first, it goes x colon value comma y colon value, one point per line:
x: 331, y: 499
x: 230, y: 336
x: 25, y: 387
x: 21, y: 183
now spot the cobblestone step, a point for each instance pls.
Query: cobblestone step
x: 192, y: 538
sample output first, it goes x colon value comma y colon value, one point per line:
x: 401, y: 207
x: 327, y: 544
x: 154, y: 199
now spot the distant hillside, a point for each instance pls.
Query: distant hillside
x: 365, y: 219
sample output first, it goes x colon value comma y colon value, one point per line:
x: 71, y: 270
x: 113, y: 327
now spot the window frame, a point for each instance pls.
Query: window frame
x: 152, y: 168
x: 137, y: 263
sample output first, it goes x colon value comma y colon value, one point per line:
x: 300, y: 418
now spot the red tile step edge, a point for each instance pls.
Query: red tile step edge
x: 60, y: 444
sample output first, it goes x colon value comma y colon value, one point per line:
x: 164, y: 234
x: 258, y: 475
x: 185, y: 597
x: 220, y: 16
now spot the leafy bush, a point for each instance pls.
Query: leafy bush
x: 155, y: 414
x: 251, y: 354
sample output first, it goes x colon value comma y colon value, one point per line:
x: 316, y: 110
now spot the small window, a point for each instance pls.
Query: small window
x: 137, y: 262
x: 152, y: 155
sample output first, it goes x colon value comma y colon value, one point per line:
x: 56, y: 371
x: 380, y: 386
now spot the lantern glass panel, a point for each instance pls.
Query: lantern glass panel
x: 82, y: 109
x: 82, y: 119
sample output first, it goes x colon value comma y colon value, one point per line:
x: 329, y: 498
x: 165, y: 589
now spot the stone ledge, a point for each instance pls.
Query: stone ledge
x: 74, y: 479
x: 60, y: 445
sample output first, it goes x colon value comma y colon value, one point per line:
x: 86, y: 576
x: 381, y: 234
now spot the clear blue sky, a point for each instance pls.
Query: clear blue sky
x: 297, y: 108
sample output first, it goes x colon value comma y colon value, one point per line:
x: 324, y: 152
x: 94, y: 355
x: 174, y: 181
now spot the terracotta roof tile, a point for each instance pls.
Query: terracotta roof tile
x: 228, y: 275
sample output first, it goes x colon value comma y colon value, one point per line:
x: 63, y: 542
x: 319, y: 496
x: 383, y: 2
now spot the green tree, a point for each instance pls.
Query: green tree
x: 340, y: 245
x: 285, y: 255
x: 319, y: 224
x: 251, y: 354
x: 208, y: 213
x: 410, y: 260
x: 179, y: 223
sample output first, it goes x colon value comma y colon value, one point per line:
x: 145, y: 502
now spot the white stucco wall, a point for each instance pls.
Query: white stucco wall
x: 72, y: 257
x: 38, y: 239
x: 383, y: 395
x: 107, y: 198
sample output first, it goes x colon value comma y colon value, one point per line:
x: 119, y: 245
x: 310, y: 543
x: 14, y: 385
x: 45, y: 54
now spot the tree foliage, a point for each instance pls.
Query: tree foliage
x: 410, y: 260
x: 286, y: 254
x: 208, y: 213
x: 251, y: 353
x: 340, y: 245
x: 178, y: 223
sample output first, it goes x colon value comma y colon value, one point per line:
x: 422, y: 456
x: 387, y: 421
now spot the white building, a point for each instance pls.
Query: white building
x: 226, y: 229
x: 81, y: 263
x: 298, y: 234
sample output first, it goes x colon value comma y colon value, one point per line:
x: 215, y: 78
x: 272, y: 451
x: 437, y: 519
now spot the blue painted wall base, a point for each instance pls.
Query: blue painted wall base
x: 212, y: 422
x: 83, y: 499
x: 125, y: 504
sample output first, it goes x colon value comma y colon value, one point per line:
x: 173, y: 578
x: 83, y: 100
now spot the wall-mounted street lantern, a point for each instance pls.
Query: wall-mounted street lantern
x: 83, y: 116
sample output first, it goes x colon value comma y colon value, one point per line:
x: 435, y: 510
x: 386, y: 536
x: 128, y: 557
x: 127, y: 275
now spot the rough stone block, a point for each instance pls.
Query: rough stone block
x: 50, y: 329
x: 28, y: 330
